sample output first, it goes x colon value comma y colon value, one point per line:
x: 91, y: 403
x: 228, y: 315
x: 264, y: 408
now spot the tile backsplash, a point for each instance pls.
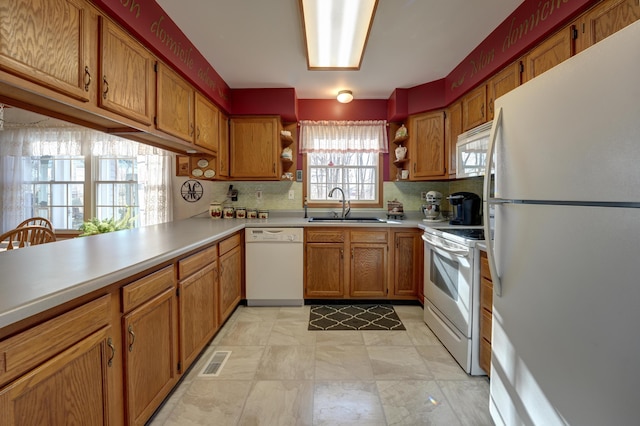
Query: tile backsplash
x: 275, y: 195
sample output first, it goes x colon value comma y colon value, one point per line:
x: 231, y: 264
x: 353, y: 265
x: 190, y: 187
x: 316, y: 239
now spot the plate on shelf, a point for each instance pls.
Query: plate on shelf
x: 196, y: 172
x: 209, y: 173
x: 203, y: 163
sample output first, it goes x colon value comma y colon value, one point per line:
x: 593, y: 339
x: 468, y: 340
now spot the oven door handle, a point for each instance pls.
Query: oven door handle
x: 437, y: 246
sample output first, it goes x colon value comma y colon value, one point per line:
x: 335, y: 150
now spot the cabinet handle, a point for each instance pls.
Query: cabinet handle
x: 106, y: 87
x: 414, y: 167
x: 87, y: 78
x: 132, y: 339
x: 198, y: 133
x: 274, y: 167
x: 341, y: 253
x: 191, y: 129
x: 113, y: 351
x: 352, y: 252
x: 490, y: 106
x: 482, y: 111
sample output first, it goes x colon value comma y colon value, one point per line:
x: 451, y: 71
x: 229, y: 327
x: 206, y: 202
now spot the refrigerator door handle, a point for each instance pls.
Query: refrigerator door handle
x: 495, y: 277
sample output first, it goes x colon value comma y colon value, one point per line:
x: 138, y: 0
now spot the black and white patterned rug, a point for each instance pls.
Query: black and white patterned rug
x: 354, y: 317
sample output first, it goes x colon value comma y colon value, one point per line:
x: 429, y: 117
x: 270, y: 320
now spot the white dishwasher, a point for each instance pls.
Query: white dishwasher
x: 274, y: 266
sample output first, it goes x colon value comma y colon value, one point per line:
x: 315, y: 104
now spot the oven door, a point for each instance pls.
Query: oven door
x: 448, y: 278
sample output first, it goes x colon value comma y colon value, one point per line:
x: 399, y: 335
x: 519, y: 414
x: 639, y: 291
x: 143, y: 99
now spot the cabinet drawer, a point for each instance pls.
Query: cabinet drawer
x: 485, y: 324
x: 484, y: 266
x: 486, y: 294
x: 195, y: 262
x: 228, y: 244
x: 145, y: 288
x: 325, y: 236
x: 30, y: 348
x: 369, y: 236
x: 485, y: 356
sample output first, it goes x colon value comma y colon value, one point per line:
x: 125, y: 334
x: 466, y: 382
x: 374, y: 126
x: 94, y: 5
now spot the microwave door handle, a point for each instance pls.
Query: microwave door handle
x: 497, y: 124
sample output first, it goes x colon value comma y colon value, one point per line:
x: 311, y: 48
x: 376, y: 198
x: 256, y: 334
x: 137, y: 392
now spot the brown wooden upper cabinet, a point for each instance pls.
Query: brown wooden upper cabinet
x: 605, y: 19
x: 549, y: 53
x: 452, y: 131
x: 174, y: 104
x: 126, y: 74
x: 501, y: 83
x: 223, y: 147
x: 255, y: 147
x: 207, y: 134
x: 426, y: 146
x: 53, y: 49
x: 474, y: 110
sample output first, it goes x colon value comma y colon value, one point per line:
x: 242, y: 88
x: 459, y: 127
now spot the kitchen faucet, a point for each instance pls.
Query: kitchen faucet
x: 345, y: 210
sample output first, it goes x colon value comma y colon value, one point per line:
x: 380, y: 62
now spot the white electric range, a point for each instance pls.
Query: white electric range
x: 452, y: 290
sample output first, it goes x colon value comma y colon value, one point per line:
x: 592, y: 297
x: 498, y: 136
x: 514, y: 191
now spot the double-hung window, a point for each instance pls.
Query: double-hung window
x: 344, y: 154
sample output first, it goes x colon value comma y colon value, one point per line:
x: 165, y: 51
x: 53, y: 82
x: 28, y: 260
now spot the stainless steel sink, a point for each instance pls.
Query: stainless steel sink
x: 347, y: 219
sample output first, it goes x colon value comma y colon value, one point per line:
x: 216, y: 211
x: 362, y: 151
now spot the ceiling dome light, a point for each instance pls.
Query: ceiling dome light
x: 345, y: 96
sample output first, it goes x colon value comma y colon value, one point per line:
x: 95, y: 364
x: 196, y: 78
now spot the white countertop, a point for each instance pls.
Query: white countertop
x: 38, y: 278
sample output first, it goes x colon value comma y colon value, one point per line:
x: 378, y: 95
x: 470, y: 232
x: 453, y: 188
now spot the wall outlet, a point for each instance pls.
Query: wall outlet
x: 258, y: 195
x: 292, y: 194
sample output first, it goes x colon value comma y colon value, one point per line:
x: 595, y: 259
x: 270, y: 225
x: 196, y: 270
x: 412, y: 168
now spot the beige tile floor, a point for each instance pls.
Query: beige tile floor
x: 279, y: 373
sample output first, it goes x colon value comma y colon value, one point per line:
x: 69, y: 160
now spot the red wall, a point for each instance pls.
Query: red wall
x: 526, y: 26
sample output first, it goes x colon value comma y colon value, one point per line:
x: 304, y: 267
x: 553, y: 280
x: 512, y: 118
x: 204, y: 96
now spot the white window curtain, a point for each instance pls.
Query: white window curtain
x: 26, y: 142
x: 156, y: 201
x: 343, y: 136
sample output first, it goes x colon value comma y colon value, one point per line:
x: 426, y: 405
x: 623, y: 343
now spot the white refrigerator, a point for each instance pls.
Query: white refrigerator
x: 565, y: 255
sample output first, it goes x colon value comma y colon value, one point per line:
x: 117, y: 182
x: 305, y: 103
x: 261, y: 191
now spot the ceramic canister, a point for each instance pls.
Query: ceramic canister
x: 215, y: 210
x: 227, y: 212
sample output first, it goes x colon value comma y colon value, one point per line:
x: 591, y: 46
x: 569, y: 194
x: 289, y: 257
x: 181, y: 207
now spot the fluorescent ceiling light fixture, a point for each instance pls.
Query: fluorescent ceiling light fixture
x: 345, y: 96
x: 336, y: 32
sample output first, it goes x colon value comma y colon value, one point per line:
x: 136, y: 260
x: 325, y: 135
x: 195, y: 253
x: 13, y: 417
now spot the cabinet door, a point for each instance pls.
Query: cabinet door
x: 503, y: 82
x: 474, y: 108
x: 605, y: 19
x: 255, y: 146
x: 223, y: 147
x: 48, y: 42
x: 150, y: 355
x: 198, y: 312
x: 324, y: 270
x: 407, y: 264
x: 426, y: 146
x: 549, y: 53
x: 70, y: 388
x: 454, y: 128
x: 368, y: 270
x: 230, y: 282
x: 175, y: 104
x: 207, y: 131
x: 126, y: 73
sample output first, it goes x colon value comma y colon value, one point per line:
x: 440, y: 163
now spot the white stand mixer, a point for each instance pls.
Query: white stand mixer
x: 432, y: 207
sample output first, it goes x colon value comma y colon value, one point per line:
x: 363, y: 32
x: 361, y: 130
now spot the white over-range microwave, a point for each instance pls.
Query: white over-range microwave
x: 471, y: 151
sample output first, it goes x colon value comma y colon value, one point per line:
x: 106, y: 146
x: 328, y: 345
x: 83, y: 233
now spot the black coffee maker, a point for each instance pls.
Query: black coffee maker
x: 466, y: 207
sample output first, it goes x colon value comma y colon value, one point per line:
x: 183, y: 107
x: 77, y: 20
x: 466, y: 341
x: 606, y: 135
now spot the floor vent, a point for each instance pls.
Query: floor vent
x: 215, y: 364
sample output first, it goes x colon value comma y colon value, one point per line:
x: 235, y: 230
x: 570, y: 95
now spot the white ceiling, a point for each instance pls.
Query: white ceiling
x: 259, y: 43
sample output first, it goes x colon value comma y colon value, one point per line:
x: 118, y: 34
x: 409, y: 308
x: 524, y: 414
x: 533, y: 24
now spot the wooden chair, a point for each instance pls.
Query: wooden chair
x: 37, y: 221
x: 26, y: 236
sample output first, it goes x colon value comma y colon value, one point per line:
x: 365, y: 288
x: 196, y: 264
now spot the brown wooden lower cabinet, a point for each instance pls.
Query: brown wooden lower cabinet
x: 150, y: 355
x: 230, y: 284
x: 408, y: 259
x: 72, y: 387
x: 486, y: 316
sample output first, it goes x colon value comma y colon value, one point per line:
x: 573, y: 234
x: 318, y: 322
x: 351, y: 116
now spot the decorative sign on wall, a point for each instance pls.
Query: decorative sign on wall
x: 191, y: 191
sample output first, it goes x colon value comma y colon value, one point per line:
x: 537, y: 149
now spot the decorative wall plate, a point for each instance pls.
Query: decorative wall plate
x: 209, y: 173
x: 191, y: 191
x: 196, y: 172
x: 203, y: 163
